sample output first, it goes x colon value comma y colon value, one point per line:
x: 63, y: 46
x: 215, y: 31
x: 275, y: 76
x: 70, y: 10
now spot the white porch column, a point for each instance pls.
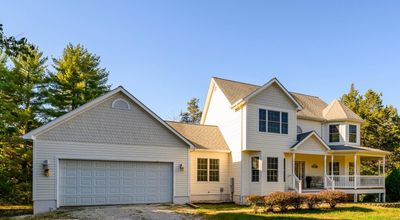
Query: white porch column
x: 332, y: 166
x: 355, y: 171
x: 325, y: 171
x: 383, y: 173
x: 293, y: 165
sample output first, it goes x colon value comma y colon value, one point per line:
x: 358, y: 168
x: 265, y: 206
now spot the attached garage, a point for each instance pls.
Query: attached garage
x: 112, y: 150
x: 87, y: 182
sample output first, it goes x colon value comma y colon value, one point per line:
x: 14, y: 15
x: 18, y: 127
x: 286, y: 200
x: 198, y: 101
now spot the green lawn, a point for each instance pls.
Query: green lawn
x: 13, y: 210
x: 343, y: 211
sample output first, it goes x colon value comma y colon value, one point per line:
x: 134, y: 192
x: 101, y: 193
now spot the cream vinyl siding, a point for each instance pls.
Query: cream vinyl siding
x: 203, y: 191
x: 312, y: 145
x: 308, y: 125
x: 45, y: 187
x: 229, y: 122
x: 273, y: 96
x: 104, y: 124
x: 270, y: 144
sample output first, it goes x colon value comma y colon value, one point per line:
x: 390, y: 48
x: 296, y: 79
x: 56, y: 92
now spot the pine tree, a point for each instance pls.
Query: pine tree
x: 20, y: 95
x: 77, y: 79
x: 381, y: 128
x: 193, y: 113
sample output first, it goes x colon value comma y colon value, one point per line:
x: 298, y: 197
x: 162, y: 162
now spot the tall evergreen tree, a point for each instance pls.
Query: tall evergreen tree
x: 381, y: 128
x: 20, y: 95
x: 193, y: 113
x: 77, y: 79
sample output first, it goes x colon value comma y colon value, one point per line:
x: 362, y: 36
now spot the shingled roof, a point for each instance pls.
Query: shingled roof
x: 206, y: 137
x: 313, y: 106
x: 339, y: 112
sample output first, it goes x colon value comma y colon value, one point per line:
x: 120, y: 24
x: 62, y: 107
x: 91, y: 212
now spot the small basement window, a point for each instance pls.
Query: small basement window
x: 121, y: 104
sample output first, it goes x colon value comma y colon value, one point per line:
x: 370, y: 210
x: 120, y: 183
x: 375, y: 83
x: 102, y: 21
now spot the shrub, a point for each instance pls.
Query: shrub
x: 281, y: 200
x: 255, y: 202
x: 296, y: 200
x: 393, y: 186
x: 312, y: 200
x: 333, y: 197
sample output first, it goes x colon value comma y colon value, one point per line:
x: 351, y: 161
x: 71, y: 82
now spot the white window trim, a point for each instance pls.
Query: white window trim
x: 251, y: 169
x: 123, y: 100
x: 277, y: 170
x: 208, y: 170
x: 355, y: 142
x: 329, y: 133
x: 280, y: 121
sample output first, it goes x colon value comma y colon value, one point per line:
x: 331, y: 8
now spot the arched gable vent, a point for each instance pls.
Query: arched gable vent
x: 121, y: 104
x: 299, y: 130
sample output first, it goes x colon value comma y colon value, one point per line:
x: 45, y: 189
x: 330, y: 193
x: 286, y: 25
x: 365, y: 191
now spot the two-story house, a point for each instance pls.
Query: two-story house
x: 251, y: 140
x: 282, y: 141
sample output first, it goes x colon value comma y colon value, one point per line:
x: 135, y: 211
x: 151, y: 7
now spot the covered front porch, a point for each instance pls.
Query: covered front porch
x: 312, y: 166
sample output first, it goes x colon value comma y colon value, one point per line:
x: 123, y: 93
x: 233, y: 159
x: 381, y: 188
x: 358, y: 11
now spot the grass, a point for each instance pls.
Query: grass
x: 14, y: 210
x: 7, y: 212
x: 343, y: 211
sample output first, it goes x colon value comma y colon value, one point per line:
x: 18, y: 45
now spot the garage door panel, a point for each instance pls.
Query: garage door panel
x: 111, y: 182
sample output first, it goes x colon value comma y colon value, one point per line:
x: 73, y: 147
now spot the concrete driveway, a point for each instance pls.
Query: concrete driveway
x: 142, y: 212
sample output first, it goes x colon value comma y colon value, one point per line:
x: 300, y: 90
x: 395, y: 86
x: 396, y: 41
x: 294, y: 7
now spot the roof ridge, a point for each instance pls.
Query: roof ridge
x: 305, y: 94
x: 235, y: 81
x: 250, y: 84
x: 187, y: 123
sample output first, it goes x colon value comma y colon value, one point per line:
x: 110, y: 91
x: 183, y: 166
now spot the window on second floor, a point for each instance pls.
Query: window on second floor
x: 334, y: 133
x: 274, y: 121
x: 285, y: 123
x: 262, y: 120
x: 278, y: 122
x: 352, y: 133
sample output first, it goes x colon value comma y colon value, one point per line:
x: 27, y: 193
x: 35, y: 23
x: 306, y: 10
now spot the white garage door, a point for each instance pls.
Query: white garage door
x: 84, y: 182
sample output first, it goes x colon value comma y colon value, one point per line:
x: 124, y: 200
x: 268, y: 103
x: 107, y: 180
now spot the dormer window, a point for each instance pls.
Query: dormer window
x: 334, y: 133
x: 353, y: 133
x: 121, y: 104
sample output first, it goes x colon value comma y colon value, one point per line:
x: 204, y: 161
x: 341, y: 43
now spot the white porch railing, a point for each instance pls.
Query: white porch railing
x: 330, y: 183
x: 295, y: 183
x: 358, y: 181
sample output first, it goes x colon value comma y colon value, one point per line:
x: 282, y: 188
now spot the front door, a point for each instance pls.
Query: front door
x: 300, y: 170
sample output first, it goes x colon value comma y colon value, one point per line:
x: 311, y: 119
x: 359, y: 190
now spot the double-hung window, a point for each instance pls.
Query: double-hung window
x: 278, y: 122
x: 214, y: 170
x: 285, y: 122
x: 272, y: 169
x: 274, y: 121
x: 255, y: 169
x: 202, y: 169
x: 207, y: 170
x: 334, y: 133
x: 262, y: 120
x: 352, y: 133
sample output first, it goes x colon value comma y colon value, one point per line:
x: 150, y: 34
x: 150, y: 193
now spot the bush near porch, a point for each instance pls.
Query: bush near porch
x: 283, y: 200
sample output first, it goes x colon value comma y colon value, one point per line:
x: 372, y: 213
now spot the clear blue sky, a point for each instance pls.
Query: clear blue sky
x: 165, y: 52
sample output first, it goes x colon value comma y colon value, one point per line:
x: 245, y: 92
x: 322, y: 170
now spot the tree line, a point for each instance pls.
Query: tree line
x: 33, y: 91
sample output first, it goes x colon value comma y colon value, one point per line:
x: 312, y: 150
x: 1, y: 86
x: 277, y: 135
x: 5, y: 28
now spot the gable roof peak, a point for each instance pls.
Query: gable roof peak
x: 337, y: 111
x: 32, y: 134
